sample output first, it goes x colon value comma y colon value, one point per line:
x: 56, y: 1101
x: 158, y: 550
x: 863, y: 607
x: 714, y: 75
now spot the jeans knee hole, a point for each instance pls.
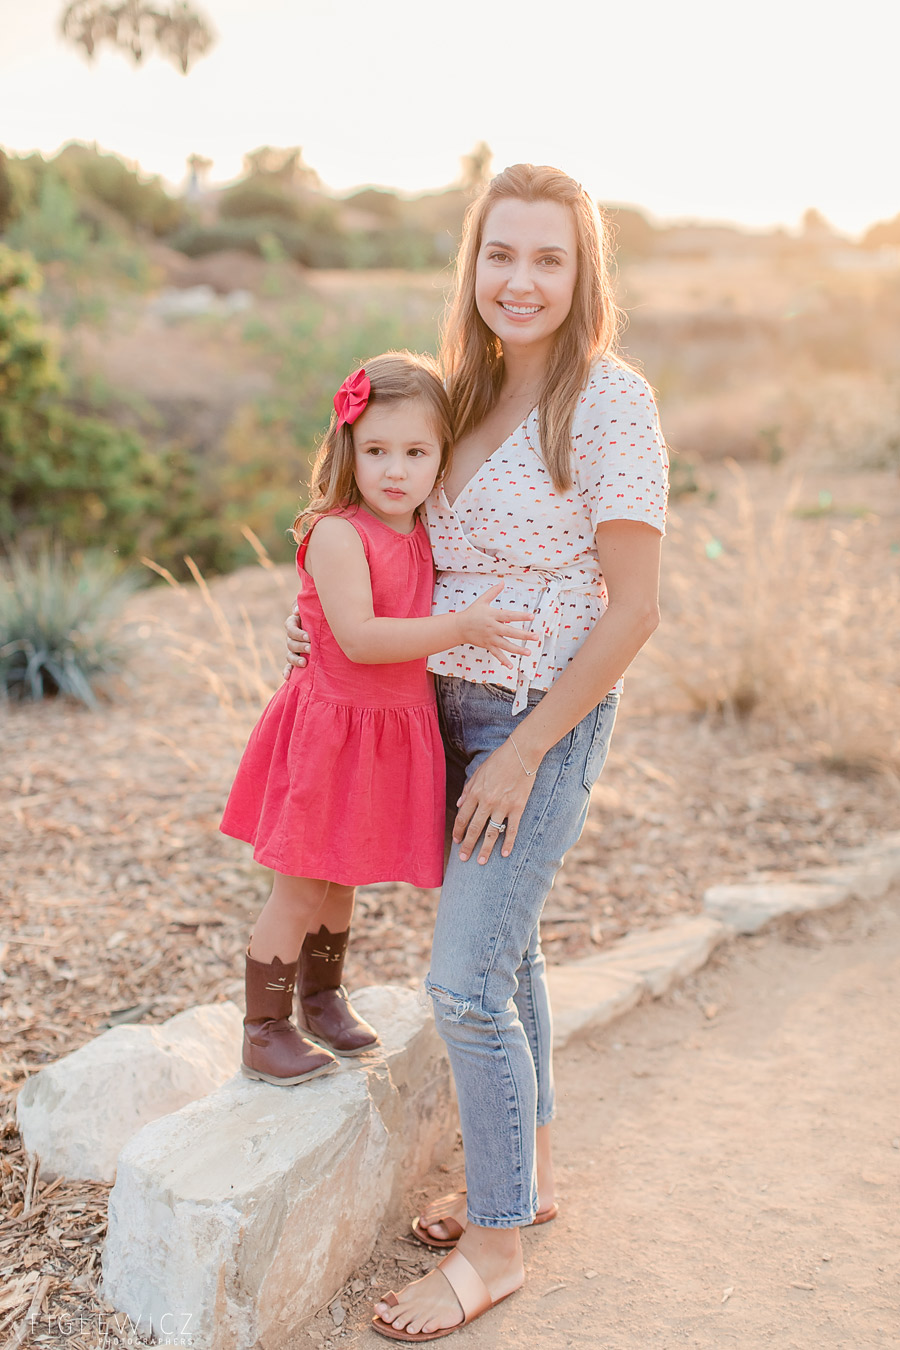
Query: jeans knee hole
x: 452, y: 1006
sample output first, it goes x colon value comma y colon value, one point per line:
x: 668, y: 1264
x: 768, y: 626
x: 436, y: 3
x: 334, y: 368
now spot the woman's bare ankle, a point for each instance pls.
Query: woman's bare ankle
x: 496, y: 1253
x: 546, y: 1180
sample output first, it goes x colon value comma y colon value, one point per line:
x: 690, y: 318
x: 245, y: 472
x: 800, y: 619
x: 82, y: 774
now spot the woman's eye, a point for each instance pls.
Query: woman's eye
x: 554, y: 262
x: 498, y: 257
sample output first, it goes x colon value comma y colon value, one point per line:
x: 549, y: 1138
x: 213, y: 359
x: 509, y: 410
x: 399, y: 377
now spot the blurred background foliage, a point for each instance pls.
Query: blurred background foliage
x: 167, y: 362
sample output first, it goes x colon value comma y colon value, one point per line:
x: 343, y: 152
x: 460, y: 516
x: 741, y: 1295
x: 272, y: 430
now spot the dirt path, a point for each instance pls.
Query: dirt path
x: 730, y: 1162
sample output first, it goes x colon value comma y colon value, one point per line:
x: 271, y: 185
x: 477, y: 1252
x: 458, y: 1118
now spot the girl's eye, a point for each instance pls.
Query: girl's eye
x: 418, y: 452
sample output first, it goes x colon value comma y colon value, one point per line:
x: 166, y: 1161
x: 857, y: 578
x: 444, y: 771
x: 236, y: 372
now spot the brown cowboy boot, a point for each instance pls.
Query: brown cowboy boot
x: 325, y: 1010
x: 274, y: 1050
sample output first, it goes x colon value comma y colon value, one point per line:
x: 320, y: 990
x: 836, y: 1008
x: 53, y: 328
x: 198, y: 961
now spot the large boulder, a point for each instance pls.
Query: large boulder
x: 237, y: 1217
x: 78, y: 1112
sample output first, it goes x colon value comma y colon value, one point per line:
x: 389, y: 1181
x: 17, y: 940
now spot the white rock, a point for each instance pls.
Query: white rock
x: 77, y: 1113
x: 747, y: 906
x: 247, y: 1210
x: 585, y: 998
x: 589, y: 994
x: 660, y: 956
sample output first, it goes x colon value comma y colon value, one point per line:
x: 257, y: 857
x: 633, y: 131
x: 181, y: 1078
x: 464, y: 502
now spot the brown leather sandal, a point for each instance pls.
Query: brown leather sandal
x: 472, y: 1293
x: 439, y: 1212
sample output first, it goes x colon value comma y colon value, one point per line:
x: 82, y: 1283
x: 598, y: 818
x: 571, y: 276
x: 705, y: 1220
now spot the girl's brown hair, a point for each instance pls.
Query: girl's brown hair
x: 472, y: 355
x: 393, y: 376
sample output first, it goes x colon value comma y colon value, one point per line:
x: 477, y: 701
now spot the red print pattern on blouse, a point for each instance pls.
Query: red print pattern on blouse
x: 510, y: 524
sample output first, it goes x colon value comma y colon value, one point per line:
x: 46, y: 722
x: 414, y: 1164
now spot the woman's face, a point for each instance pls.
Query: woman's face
x: 526, y: 271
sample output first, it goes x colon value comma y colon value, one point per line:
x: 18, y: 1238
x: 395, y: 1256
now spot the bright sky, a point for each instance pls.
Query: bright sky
x: 687, y: 108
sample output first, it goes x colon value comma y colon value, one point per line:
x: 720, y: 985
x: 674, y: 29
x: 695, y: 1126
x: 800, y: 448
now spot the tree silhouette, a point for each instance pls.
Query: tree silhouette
x: 476, y: 168
x: 287, y: 166
x: 179, y: 33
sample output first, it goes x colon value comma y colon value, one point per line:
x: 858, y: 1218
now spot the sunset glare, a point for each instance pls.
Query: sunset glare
x: 741, y: 113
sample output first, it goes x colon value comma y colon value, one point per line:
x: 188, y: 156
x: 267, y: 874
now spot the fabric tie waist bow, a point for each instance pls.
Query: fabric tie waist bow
x: 547, y: 613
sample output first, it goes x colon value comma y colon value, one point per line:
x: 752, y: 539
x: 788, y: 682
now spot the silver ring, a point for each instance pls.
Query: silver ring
x: 498, y: 825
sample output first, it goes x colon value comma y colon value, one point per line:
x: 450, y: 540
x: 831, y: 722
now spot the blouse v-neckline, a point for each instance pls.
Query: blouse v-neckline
x: 522, y: 426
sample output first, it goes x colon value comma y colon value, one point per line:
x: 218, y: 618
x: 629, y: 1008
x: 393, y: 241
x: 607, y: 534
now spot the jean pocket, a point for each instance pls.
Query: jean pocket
x: 498, y: 692
x: 604, y: 720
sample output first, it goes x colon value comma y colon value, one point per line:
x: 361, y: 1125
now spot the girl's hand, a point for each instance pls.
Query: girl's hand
x: 498, y: 790
x: 483, y: 626
x: 297, y: 642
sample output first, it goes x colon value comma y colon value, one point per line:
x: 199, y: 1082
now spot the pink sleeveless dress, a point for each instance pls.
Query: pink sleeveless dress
x: 343, y: 776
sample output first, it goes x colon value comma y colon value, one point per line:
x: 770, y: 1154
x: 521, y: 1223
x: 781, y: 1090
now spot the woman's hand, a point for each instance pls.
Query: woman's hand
x: 297, y: 642
x: 498, y: 790
x: 484, y: 626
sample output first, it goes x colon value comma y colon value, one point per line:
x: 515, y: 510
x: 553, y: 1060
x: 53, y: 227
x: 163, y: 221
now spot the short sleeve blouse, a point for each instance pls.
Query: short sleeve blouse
x: 510, y: 524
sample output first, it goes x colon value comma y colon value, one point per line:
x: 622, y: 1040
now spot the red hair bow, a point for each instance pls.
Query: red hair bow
x: 351, y: 399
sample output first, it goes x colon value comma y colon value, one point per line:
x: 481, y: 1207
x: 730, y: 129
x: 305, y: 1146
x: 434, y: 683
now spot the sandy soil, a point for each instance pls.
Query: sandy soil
x: 729, y: 1163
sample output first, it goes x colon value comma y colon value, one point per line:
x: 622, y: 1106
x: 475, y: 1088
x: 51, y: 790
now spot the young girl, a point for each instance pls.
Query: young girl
x: 342, y: 781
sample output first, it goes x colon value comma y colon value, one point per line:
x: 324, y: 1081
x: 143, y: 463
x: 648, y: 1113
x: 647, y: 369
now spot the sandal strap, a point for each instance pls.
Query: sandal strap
x: 468, y: 1286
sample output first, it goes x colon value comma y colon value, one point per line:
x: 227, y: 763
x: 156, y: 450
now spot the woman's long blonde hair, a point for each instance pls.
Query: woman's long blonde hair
x: 472, y: 355
x: 393, y: 376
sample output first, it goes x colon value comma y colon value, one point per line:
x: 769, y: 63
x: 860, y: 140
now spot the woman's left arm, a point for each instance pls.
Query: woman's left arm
x: 629, y: 553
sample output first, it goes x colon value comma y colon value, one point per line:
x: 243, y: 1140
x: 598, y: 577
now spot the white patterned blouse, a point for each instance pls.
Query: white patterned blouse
x: 510, y: 524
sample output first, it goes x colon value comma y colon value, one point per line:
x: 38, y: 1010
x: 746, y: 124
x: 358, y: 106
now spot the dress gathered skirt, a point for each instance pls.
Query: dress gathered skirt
x: 343, y: 776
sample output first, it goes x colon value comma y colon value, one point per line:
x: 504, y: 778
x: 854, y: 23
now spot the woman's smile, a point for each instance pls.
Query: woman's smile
x: 520, y: 311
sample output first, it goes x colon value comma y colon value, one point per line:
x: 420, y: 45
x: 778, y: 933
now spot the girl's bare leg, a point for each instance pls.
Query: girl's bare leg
x: 336, y: 910
x: 325, y: 1009
x: 287, y: 917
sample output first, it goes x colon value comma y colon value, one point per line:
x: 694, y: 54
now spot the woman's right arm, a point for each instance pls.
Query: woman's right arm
x: 298, y: 644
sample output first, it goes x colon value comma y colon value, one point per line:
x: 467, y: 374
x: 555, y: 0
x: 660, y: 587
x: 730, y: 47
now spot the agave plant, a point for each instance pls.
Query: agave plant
x: 58, y: 623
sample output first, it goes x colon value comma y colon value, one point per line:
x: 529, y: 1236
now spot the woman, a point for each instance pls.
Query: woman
x: 557, y: 488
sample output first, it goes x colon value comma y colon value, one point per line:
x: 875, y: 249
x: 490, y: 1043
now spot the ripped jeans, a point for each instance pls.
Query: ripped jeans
x: 487, y: 979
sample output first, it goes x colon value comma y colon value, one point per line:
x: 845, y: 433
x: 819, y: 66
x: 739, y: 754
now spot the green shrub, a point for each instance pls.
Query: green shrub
x: 81, y: 478
x: 58, y: 622
x: 51, y: 227
x: 53, y: 215
x: 254, y: 197
x: 140, y: 199
x: 309, y: 243
x: 8, y: 203
x: 386, y: 205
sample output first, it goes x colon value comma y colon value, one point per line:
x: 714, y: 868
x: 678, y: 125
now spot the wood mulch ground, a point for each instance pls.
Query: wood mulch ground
x: 122, y: 902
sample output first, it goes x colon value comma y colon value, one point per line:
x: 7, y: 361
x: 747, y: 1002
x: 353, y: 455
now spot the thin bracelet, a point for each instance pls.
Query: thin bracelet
x: 529, y: 772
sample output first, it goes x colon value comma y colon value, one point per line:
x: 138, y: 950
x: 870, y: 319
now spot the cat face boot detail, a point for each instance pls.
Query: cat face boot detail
x: 274, y: 1049
x: 325, y: 1010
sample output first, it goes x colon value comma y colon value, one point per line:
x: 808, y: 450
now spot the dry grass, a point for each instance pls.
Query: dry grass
x: 788, y: 610
x: 239, y: 668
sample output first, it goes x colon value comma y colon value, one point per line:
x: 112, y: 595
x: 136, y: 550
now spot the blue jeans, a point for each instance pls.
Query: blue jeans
x: 487, y: 978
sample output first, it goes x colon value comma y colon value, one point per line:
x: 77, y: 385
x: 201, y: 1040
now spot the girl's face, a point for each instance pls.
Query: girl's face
x: 396, y: 458
x: 526, y: 271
